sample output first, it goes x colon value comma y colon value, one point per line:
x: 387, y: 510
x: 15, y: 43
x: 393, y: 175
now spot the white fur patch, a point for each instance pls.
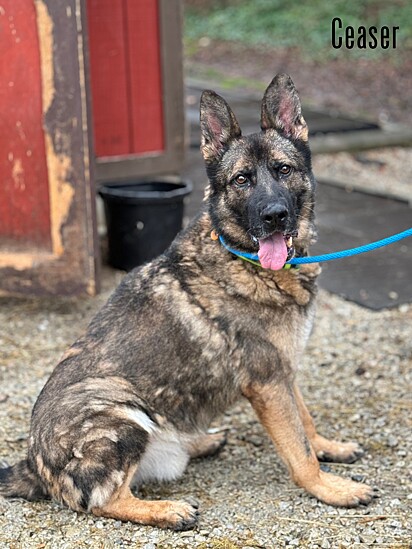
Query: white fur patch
x: 103, y: 492
x: 139, y: 417
x: 164, y: 459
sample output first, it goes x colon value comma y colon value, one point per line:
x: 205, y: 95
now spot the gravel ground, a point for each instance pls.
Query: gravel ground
x: 357, y: 379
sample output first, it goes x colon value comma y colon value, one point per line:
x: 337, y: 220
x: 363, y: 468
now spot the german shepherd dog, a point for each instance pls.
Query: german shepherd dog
x: 187, y: 335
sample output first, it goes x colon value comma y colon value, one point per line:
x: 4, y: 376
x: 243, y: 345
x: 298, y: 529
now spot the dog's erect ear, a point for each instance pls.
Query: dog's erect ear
x: 281, y: 109
x: 218, y: 125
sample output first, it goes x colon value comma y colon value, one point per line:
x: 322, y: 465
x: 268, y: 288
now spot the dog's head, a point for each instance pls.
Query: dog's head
x: 261, y: 196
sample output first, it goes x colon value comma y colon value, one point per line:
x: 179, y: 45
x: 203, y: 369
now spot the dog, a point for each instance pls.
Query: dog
x: 185, y: 336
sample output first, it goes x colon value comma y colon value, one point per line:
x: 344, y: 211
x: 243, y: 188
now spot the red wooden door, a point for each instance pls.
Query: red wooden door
x: 24, y: 195
x: 137, y: 86
x: 47, y: 226
x: 126, y: 82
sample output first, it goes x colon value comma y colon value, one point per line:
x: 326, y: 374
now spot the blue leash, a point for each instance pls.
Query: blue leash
x: 331, y: 256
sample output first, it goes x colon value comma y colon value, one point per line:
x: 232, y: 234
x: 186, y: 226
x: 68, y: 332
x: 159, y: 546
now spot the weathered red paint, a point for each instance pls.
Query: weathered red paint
x: 68, y: 266
x: 145, y: 75
x: 124, y: 44
x: 24, y: 193
x: 108, y: 74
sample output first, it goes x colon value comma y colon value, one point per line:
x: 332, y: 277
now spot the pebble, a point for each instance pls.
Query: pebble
x: 367, y: 539
x: 255, y: 440
x: 187, y: 534
x: 358, y: 478
x: 392, y: 442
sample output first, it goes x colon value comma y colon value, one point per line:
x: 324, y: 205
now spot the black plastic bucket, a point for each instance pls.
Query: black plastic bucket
x: 142, y: 219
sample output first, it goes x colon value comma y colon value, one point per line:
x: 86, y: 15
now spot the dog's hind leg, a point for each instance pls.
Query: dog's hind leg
x: 122, y: 505
x: 325, y: 449
x: 207, y: 444
x: 94, y: 472
x: 277, y: 409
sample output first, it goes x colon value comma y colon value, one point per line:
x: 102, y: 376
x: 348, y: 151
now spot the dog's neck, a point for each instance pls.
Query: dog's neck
x: 212, y: 261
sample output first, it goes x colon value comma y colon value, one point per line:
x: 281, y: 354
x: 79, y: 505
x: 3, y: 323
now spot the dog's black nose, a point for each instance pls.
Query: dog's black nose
x: 275, y: 216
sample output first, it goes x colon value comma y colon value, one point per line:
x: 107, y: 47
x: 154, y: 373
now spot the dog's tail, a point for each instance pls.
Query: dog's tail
x: 18, y: 481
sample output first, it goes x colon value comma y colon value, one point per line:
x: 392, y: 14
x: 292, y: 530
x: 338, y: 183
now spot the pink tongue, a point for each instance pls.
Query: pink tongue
x: 273, y: 252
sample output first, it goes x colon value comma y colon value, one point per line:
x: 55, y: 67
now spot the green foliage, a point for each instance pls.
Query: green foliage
x: 292, y: 23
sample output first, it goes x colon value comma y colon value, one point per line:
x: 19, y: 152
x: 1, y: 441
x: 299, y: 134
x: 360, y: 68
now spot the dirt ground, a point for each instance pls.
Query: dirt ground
x: 378, y: 89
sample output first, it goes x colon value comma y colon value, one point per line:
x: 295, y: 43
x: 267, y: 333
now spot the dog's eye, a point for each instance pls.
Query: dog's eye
x: 241, y: 180
x: 285, y: 169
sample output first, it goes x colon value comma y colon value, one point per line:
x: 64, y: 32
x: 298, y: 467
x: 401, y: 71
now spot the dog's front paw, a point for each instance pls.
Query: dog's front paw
x: 337, y: 452
x: 181, y: 515
x: 341, y: 492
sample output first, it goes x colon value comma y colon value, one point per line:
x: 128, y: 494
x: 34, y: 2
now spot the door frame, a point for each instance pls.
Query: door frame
x: 72, y: 265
